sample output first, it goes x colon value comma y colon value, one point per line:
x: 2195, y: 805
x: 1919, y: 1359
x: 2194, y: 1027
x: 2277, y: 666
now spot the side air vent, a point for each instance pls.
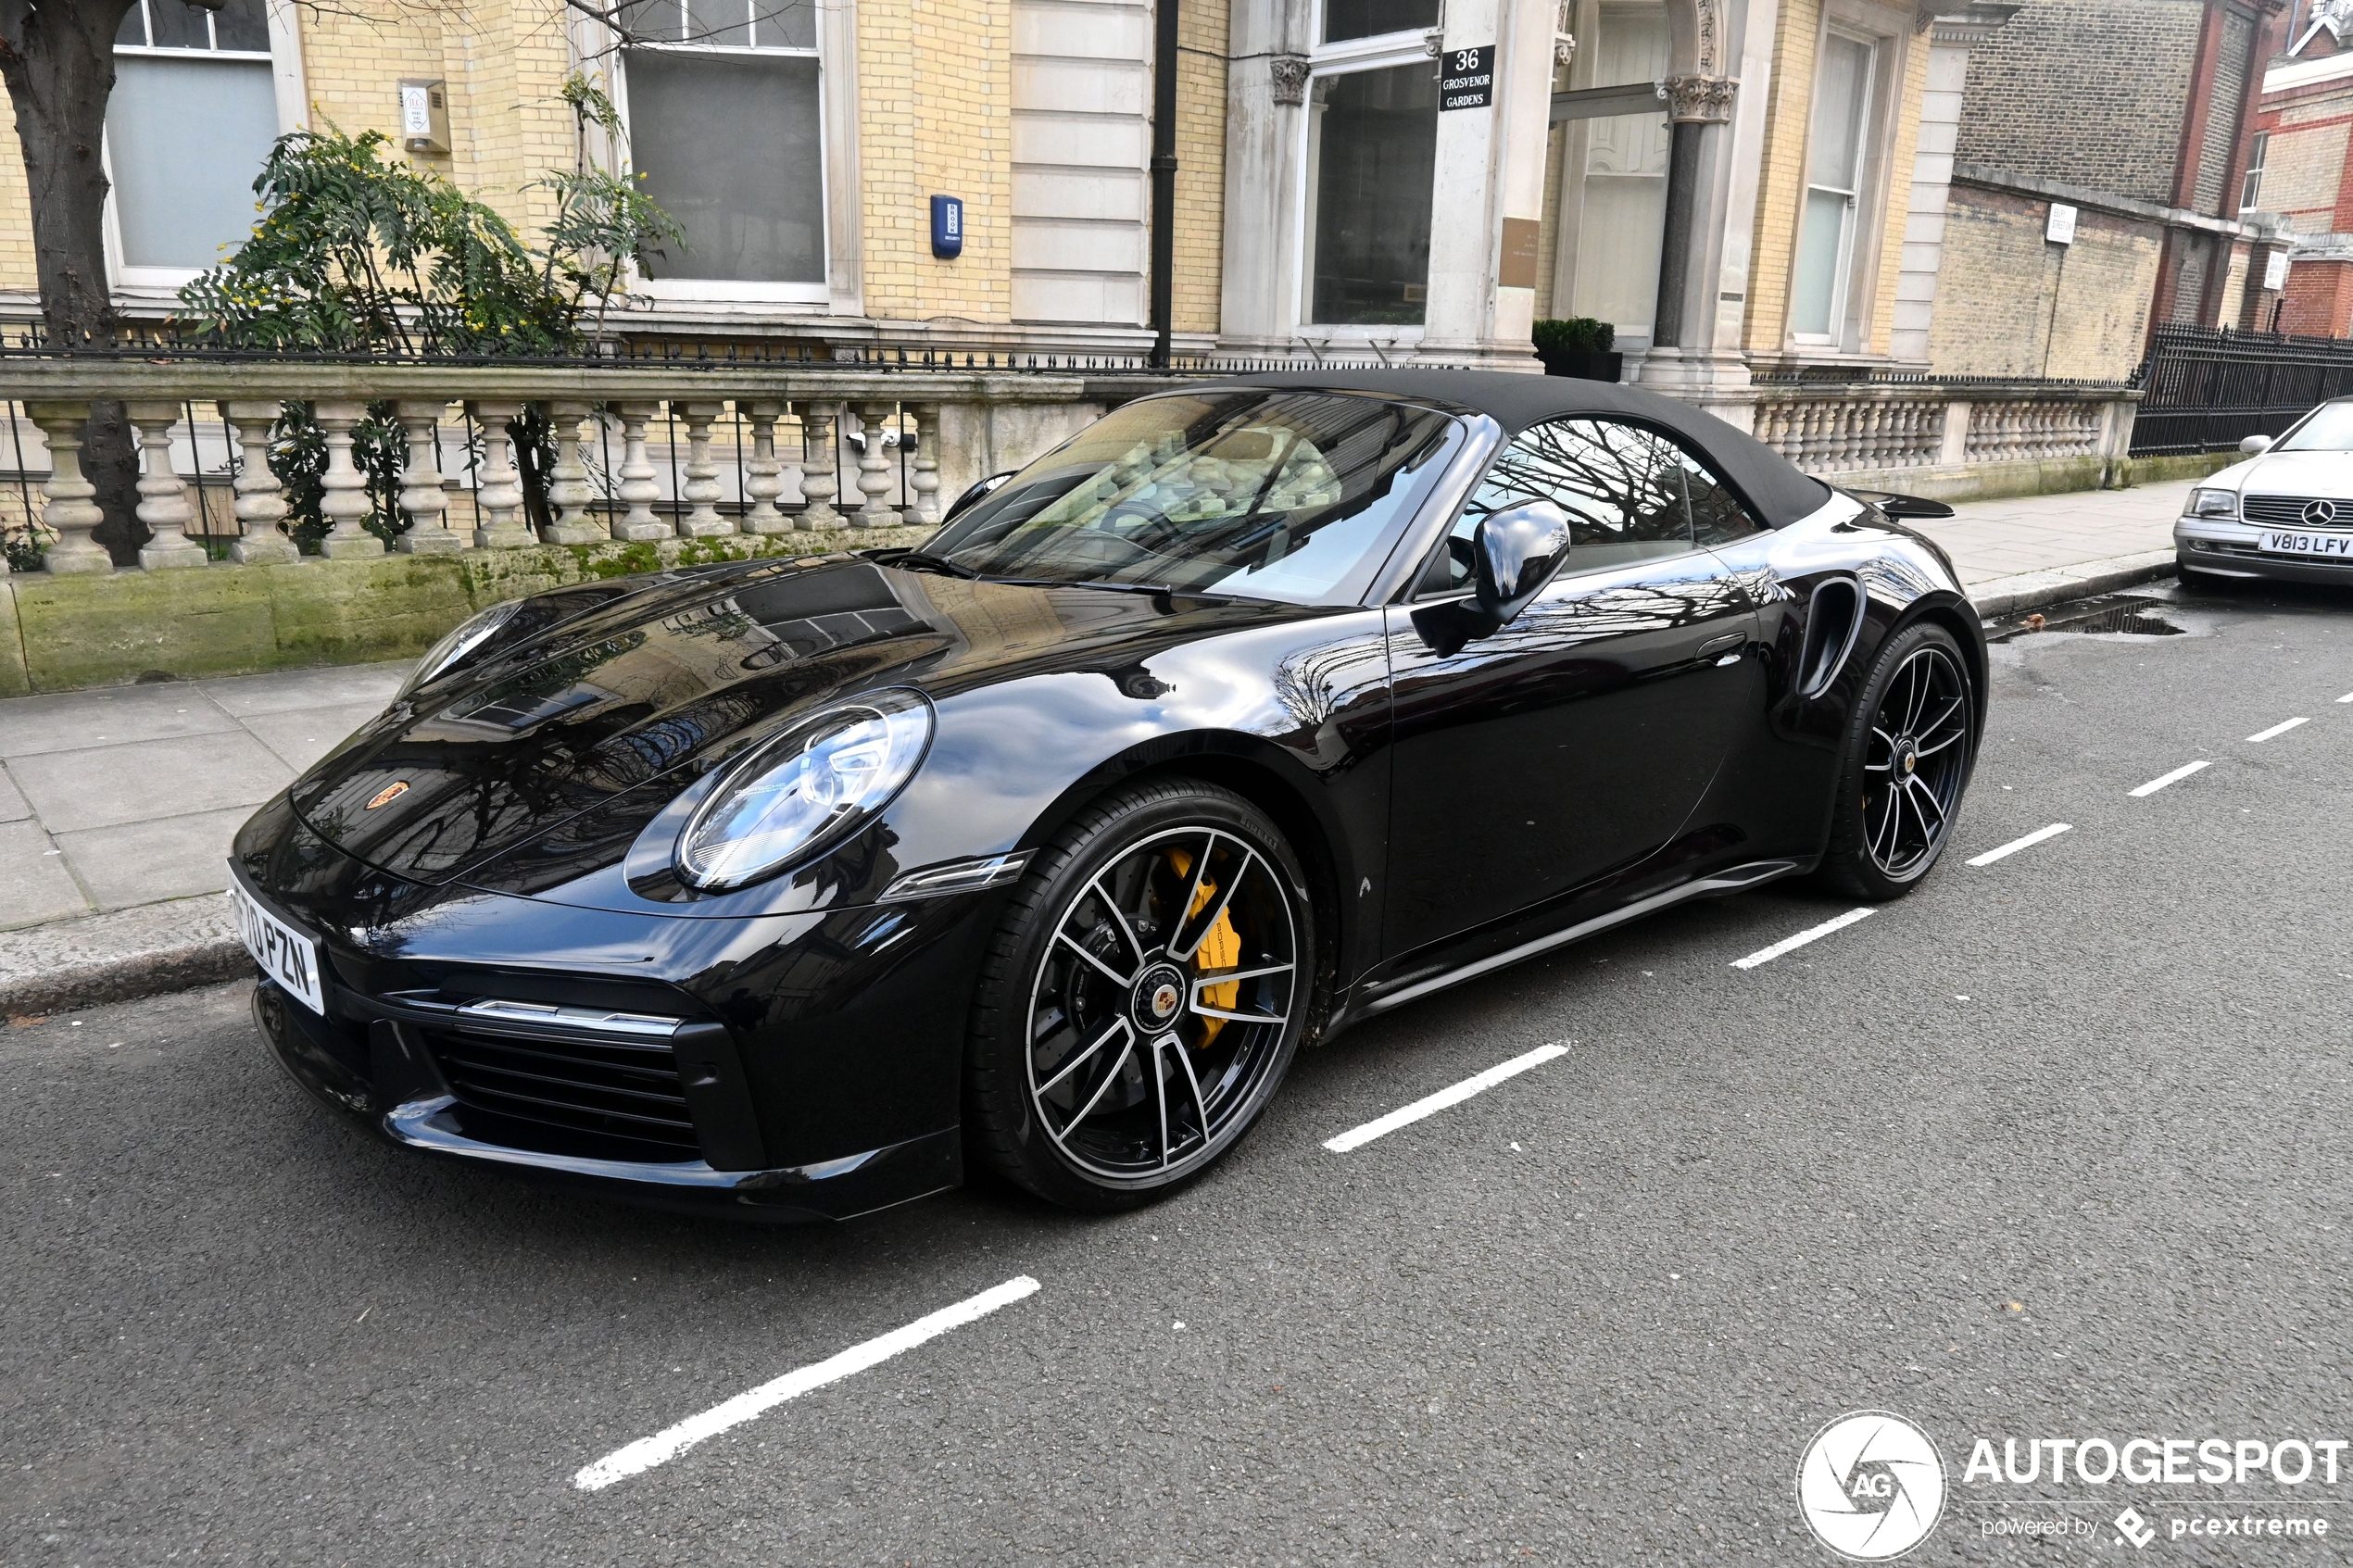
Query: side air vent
x: 1834, y: 620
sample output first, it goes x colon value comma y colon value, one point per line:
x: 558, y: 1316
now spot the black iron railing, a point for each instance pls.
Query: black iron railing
x: 2208, y: 389
x: 166, y: 340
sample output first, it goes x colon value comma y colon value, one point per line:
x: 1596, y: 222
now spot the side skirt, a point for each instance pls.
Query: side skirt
x: 1732, y: 879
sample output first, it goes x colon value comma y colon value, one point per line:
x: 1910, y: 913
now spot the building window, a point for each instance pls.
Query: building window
x: 1345, y: 19
x: 1372, y: 145
x: 194, y: 112
x: 723, y: 106
x: 2251, y: 189
x: 1836, y: 159
x: 1613, y: 154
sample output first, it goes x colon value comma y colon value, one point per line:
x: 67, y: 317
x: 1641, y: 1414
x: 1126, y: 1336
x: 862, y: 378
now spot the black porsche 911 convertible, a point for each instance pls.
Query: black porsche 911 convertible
x: 1257, y: 709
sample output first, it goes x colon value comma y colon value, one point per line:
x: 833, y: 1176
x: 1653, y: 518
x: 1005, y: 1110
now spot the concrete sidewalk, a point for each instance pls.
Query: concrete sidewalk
x: 117, y: 806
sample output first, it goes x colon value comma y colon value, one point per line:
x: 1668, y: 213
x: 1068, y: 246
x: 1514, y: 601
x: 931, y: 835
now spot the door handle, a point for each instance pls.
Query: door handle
x: 1720, y: 645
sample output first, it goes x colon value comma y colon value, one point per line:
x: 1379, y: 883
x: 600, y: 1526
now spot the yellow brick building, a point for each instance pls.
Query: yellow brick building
x: 1734, y: 185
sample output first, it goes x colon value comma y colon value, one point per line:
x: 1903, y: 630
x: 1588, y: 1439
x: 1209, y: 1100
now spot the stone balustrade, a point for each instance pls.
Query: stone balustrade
x: 639, y: 454
x: 1952, y: 438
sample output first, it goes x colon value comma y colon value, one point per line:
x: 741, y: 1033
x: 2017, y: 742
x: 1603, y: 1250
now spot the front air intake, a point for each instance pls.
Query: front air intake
x: 612, y: 1098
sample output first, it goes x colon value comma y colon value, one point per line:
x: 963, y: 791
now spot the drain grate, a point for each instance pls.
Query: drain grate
x: 2102, y: 617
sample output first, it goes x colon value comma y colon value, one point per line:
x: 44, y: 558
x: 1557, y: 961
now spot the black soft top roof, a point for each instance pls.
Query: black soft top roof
x: 1772, y: 484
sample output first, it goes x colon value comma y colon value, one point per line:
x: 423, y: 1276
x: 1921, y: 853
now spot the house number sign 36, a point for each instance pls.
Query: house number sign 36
x: 1466, y: 78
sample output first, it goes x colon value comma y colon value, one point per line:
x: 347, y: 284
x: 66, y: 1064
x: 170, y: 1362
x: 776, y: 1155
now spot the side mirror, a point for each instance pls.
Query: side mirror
x: 1515, y: 552
x: 1895, y: 505
x: 974, y: 496
x: 2256, y: 446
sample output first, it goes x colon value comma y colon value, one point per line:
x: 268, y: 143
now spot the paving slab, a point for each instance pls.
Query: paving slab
x: 14, y: 806
x: 243, y: 697
x: 147, y: 862
x: 37, y: 886
x: 102, y: 786
x: 302, y: 735
x: 76, y: 720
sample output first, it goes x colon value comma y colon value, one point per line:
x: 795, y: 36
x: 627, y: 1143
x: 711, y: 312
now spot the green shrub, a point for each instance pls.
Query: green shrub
x: 1576, y: 335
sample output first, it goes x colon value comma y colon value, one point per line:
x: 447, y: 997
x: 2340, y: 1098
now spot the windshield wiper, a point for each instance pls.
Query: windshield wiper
x: 921, y: 559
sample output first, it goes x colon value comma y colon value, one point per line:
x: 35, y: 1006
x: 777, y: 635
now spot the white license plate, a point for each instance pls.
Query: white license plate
x: 2296, y: 543
x: 284, y: 954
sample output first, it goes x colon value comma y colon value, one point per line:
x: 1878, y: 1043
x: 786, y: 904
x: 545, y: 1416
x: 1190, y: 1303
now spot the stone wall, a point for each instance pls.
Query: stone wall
x: 2015, y: 305
x: 2090, y: 92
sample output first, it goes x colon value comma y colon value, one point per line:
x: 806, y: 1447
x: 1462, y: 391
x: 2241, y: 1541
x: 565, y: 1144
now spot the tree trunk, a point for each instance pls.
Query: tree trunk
x: 57, y: 61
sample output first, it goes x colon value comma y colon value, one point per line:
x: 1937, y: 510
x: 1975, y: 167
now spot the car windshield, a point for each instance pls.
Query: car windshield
x: 2329, y: 428
x: 1288, y: 495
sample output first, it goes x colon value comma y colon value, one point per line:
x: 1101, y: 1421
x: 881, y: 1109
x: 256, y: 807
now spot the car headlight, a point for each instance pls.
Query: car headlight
x: 793, y: 798
x: 2213, y: 503
x: 451, y: 651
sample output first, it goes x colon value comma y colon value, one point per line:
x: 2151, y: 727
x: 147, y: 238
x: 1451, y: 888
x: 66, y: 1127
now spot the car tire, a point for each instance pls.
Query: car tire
x: 1070, y: 1070
x: 1898, y: 790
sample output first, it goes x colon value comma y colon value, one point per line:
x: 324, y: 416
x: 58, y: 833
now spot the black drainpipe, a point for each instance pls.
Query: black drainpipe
x: 1164, y: 175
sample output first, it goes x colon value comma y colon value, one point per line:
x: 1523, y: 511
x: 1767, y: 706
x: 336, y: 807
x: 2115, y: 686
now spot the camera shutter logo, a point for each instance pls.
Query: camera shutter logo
x: 1871, y: 1485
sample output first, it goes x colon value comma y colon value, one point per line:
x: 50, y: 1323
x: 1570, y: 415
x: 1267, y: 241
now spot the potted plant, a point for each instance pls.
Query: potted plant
x: 1577, y: 346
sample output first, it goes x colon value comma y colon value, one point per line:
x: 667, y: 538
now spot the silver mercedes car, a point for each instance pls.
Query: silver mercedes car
x: 2286, y: 514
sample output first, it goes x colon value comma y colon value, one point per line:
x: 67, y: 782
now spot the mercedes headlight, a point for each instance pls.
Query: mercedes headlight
x: 793, y: 798
x: 2213, y: 503
x: 453, y: 649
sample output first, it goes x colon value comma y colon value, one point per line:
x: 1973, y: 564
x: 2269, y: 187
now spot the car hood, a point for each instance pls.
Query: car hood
x: 2291, y: 473
x: 648, y: 692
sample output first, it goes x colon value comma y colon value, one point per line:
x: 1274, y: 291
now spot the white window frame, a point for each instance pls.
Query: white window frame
x: 286, y: 72
x: 1853, y: 290
x: 1381, y: 52
x: 836, y: 54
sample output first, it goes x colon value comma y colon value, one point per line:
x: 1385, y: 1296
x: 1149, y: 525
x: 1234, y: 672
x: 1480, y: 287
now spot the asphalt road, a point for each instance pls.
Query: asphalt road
x: 2055, y: 1147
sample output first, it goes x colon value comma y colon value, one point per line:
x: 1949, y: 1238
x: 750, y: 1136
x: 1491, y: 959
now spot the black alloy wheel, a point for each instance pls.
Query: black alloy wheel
x: 1910, y: 750
x: 1143, y: 999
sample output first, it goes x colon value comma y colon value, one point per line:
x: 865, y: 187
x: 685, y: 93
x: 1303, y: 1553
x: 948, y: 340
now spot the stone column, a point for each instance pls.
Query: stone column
x: 163, y: 497
x: 345, y: 502
x: 637, y: 488
x: 261, y: 501
x: 422, y: 499
x: 925, y: 480
x: 568, y: 495
x: 701, y: 489
x: 763, y: 475
x: 873, y: 467
x: 1694, y: 104
x: 821, y: 460
x: 1265, y: 101
x: 69, y: 513
x: 500, y: 496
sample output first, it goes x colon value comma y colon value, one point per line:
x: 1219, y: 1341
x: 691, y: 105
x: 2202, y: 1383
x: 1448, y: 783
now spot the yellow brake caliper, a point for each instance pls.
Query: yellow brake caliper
x: 1221, y: 948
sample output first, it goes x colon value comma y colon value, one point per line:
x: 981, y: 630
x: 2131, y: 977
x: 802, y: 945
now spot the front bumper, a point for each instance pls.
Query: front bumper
x: 798, y: 1067
x: 403, y: 1094
x: 2222, y: 548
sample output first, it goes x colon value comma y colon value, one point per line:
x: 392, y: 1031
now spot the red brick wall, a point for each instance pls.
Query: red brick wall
x: 2319, y: 299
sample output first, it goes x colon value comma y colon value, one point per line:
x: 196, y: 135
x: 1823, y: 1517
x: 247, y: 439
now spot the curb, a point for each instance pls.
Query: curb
x: 2032, y: 590
x: 156, y: 948
x: 121, y: 957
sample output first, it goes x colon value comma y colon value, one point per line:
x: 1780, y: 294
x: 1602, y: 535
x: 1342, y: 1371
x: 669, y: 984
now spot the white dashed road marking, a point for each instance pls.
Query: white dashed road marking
x: 1790, y: 944
x: 2176, y: 776
x: 2347, y: 697
x: 2014, y: 845
x: 647, y: 1452
x: 2279, y: 729
x: 1356, y: 1137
